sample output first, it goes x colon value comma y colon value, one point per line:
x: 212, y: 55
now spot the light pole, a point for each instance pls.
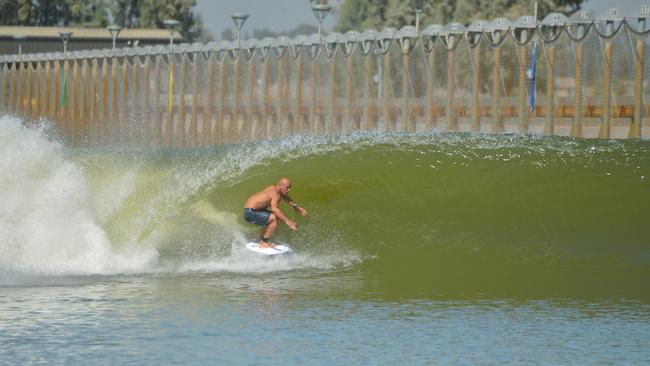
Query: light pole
x: 114, y: 30
x: 320, y: 11
x: 171, y: 25
x: 417, y: 7
x: 20, y: 39
x: 239, y: 19
x: 65, y: 37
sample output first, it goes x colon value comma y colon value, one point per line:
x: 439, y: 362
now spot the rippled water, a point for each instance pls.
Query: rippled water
x: 299, y: 318
x: 418, y: 249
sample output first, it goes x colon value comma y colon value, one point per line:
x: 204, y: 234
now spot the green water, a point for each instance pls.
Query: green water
x: 454, y: 216
x: 465, y: 216
x: 418, y: 249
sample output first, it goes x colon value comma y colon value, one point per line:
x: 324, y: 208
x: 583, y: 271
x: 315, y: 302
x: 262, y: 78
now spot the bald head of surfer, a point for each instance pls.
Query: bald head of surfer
x: 263, y: 209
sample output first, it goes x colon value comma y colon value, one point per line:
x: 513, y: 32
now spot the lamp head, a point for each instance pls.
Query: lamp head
x: 321, y: 11
x: 65, y: 36
x: 239, y: 19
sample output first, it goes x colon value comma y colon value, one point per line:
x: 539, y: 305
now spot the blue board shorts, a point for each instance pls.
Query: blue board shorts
x: 257, y: 217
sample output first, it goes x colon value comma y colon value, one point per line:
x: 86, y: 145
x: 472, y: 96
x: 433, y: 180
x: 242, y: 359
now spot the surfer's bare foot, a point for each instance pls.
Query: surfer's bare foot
x: 266, y: 244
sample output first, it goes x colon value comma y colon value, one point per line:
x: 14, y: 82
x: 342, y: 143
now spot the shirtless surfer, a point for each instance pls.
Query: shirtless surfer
x: 255, y: 210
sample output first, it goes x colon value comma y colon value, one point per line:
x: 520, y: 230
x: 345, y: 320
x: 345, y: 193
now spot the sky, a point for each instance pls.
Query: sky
x: 284, y: 15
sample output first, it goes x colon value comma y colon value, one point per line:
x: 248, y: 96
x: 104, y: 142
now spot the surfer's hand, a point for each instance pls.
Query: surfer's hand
x: 301, y: 210
x: 291, y: 224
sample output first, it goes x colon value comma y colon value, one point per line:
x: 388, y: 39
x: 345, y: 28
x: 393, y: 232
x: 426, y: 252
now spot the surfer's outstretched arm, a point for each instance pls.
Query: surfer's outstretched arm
x: 275, y: 208
x: 301, y: 210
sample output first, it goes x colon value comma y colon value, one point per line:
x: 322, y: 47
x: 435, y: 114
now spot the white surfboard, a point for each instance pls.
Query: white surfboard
x: 276, y: 250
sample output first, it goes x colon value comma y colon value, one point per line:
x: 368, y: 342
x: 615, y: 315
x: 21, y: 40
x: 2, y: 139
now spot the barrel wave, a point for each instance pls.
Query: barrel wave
x: 418, y: 215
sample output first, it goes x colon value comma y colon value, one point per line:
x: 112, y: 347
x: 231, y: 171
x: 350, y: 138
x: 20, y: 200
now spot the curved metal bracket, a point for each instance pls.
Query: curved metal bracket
x: 641, y: 20
x: 296, y: 46
x: 552, y: 26
x: 280, y: 46
x: 367, y: 41
x: 582, y: 21
x: 331, y: 43
x: 612, y: 22
x: 348, y: 42
x: 451, y: 35
x: 430, y: 36
x: 497, y: 31
x: 524, y: 29
x: 407, y: 37
x: 475, y: 33
x: 385, y: 40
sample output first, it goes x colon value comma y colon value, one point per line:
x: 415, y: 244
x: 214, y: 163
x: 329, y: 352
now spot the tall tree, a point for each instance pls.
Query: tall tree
x: 152, y: 14
x: 363, y: 14
x: 83, y: 13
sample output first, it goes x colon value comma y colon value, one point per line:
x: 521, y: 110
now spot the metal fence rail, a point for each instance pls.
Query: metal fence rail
x: 582, y: 77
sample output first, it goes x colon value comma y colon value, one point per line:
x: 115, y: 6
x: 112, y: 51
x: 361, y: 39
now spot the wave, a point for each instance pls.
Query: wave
x: 427, y: 210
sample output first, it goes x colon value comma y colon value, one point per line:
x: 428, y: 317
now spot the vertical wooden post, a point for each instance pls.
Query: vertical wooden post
x: 430, y: 123
x: 286, y: 97
x: 157, y: 108
x: 635, y: 127
x: 367, y: 97
x: 124, y: 119
x: 223, y: 93
x: 103, y: 129
x: 179, y: 131
x: 73, y: 101
x: 207, y: 114
x: 263, y: 126
x: 409, y: 123
x: 47, y: 100
x: 233, y: 126
x: 549, y: 125
x: 576, y: 128
x: 30, y: 92
x: 250, y: 110
x: 387, y: 89
x: 279, y: 105
x: 604, y: 132
x: 168, y: 130
x: 94, y: 104
x: 145, y: 129
x: 56, y: 102
x: 4, y: 93
x: 5, y: 88
x: 39, y: 91
x: 64, y: 102
x: 476, y: 77
x: 497, y: 122
x: 451, y: 113
x: 20, y: 86
x: 112, y: 113
x: 523, y: 113
x: 135, y: 120
x: 298, y: 127
x: 332, y: 124
x: 83, y: 118
x: 313, y: 119
x: 14, y: 88
x: 194, y: 121
x: 350, y: 123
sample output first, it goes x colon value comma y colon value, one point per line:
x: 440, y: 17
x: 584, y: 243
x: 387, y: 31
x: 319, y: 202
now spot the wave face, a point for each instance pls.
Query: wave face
x: 418, y: 214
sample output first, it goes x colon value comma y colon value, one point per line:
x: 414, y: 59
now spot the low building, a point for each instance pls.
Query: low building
x: 47, y: 39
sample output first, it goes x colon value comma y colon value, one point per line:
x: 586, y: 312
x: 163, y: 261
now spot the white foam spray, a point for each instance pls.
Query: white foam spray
x: 47, y: 224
